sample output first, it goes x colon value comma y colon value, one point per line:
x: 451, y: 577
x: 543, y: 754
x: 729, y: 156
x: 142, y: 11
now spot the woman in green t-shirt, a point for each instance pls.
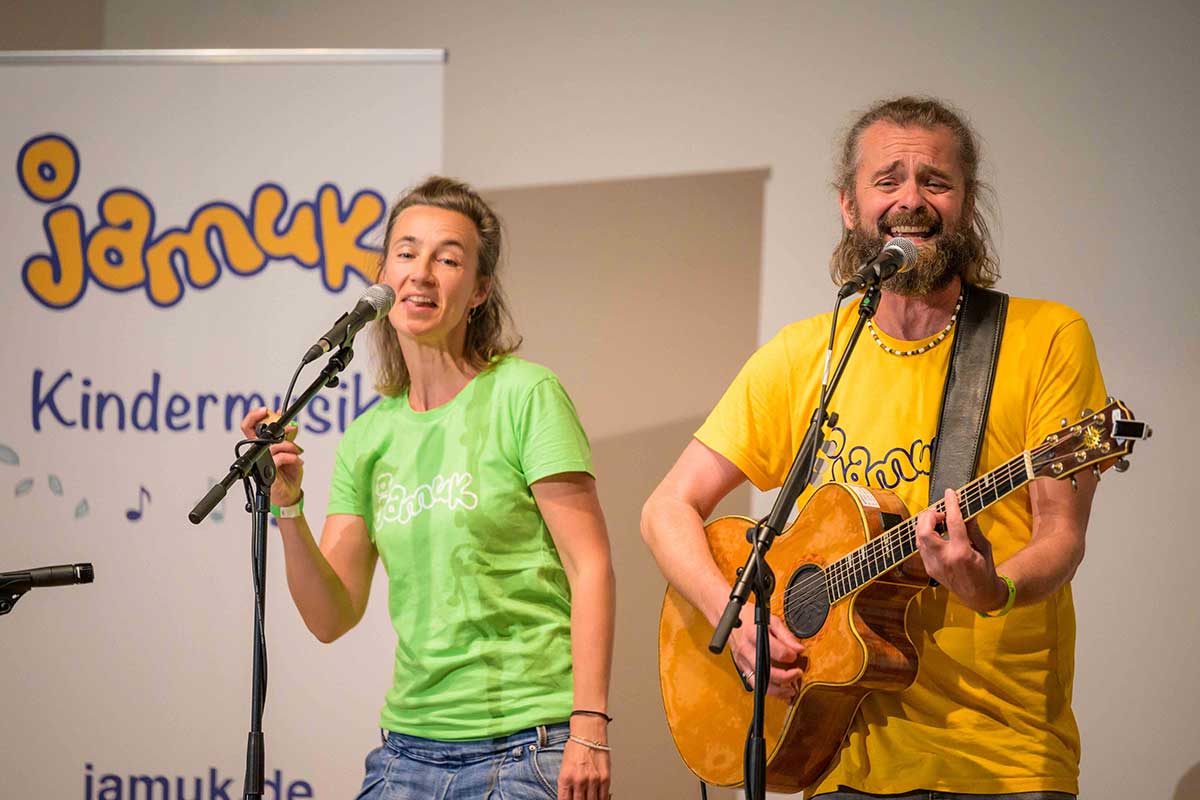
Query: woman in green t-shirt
x: 472, y: 481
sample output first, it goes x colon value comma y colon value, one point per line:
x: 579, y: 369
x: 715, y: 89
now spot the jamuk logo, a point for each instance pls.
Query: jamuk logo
x: 397, y: 504
x: 213, y: 786
x: 123, y: 251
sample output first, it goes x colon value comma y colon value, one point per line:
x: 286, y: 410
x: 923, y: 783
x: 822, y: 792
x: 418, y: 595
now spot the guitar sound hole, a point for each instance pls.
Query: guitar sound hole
x: 806, y: 603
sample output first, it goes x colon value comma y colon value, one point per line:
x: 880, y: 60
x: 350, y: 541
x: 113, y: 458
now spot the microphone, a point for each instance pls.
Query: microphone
x: 63, y: 575
x: 897, y: 255
x: 375, y: 302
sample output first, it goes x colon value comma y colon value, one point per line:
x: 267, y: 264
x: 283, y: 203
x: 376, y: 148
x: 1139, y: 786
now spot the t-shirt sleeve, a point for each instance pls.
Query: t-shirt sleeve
x: 1070, y: 382
x: 751, y: 423
x: 551, y: 438
x: 348, y: 492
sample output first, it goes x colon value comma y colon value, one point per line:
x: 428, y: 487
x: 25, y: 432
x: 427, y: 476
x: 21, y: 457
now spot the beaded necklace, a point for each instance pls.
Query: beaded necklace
x: 928, y: 345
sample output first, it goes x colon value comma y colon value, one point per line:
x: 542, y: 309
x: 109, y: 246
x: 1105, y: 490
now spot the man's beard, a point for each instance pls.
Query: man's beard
x: 948, y: 254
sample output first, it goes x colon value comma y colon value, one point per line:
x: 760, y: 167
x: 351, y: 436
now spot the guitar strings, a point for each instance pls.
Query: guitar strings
x: 897, y: 537
x: 861, y: 566
x: 877, y: 551
x: 886, y: 551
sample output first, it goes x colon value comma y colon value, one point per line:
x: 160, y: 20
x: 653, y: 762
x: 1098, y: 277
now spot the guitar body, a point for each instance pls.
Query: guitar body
x: 858, y: 645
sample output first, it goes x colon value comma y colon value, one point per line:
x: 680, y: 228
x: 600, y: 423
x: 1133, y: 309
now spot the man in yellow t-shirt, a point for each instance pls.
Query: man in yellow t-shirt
x: 989, y: 713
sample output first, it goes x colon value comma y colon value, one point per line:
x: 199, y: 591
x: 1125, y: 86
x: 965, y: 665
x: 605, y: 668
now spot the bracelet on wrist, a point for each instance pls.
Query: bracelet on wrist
x: 289, y: 512
x: 586, y: 712
x: 1008, y: 605
x: 588, y: 743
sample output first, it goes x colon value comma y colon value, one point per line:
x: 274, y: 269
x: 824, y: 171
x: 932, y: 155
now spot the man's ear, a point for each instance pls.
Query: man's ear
x: 849, y: 215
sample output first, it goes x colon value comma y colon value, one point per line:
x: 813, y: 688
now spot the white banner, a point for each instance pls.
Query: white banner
x: 179, y: 227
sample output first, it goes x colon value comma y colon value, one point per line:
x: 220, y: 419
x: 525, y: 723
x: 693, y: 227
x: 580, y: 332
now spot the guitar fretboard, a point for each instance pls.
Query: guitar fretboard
x: 890, y: 548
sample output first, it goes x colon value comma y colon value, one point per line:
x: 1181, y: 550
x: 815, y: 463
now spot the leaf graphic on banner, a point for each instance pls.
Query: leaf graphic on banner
x: 8, y: 455
x: 55, y: 485
x: 82, y: 509
x: 23, y: 487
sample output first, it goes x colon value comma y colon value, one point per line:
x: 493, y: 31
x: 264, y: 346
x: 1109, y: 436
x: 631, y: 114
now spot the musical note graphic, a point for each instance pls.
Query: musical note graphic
x: 134, y: 514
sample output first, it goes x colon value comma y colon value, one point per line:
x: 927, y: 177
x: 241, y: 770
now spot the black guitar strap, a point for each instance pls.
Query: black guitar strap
x: 968, y: 390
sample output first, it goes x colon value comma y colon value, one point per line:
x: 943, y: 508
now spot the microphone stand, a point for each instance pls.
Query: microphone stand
x: 757, y: 576
x: 11, y: 590
x: 14, y: 585
x: 256, y: 465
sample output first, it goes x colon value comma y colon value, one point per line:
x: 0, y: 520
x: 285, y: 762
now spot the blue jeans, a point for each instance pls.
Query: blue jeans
x: 521, y: 766
x: 925, y: 794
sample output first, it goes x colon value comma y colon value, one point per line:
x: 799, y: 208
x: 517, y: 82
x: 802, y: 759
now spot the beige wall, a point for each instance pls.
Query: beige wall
x: 1088, y: 110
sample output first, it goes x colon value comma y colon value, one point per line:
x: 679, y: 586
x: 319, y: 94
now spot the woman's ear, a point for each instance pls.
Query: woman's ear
x: 483, y: 288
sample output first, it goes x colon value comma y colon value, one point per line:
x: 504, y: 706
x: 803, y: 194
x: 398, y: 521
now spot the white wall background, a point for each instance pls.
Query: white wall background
x: 1088, y: 112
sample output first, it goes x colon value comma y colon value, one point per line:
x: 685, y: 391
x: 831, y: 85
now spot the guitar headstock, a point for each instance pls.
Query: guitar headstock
x: 1097, y: 439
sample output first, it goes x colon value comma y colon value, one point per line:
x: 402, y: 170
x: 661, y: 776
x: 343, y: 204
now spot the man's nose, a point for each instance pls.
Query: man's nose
x: 910, y: 197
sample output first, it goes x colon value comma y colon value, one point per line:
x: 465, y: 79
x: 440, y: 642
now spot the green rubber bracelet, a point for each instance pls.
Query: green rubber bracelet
x: 1008, y: 606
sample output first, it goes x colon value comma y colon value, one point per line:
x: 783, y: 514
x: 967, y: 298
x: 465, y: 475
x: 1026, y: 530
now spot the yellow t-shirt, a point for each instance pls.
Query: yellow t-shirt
x: 990, y: 710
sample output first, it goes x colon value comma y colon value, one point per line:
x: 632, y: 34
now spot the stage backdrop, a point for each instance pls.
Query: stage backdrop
x: 176, y: 228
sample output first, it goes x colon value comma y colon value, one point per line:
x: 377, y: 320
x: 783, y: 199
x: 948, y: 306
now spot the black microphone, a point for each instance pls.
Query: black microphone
x: 64, y: 575
x: 897, y: 255
x: 374, y: 303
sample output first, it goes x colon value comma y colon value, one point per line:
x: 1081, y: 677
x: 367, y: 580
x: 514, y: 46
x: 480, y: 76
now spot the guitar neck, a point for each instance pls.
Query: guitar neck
x: 893, y: 546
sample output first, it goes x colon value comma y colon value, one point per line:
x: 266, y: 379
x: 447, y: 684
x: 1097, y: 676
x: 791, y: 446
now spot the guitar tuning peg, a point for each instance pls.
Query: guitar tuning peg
x: 1108, y: 401
x: 1063, y: 422
x: 1121, y: 464
x: 1096, y: 472
x: 1074, y: 484
x: 1087, y: 412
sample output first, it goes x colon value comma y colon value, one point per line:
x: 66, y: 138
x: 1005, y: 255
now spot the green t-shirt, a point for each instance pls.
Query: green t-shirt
x: 476, y: 589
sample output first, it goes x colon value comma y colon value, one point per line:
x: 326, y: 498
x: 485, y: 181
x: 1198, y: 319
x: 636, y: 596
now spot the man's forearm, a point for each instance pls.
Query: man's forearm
x: 674, y: 532
x: 1044, y: 565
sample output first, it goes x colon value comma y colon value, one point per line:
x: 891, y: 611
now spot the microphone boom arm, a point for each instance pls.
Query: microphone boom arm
x: 244, y: 466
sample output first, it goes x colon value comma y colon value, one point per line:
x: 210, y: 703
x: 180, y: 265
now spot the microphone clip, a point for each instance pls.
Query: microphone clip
x: 8, y: 599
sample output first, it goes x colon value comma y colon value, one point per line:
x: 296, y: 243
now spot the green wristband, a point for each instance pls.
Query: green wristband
x: 1008, y: 606
x: 288, y: 512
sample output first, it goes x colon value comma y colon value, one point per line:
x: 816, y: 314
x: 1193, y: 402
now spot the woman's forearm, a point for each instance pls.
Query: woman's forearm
x: 328, y: 606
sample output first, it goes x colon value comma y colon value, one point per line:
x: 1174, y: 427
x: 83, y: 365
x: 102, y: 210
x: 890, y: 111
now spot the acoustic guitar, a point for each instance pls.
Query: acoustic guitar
x: 843, y: 588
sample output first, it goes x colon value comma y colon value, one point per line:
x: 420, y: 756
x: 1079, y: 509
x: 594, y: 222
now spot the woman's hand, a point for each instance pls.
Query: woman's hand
x: 586, y: 772
x: 289, y: 466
